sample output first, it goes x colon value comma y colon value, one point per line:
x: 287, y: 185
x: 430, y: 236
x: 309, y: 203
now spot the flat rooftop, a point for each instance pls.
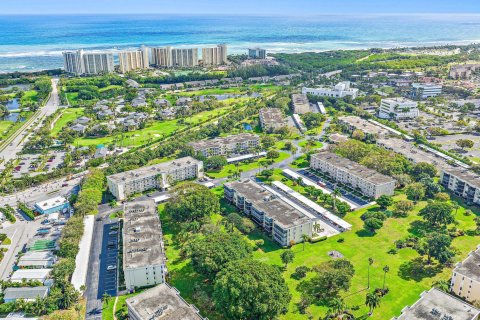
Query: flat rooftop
x: 435, y: 304
x: 35, y: 274
x: 300, y: 99
x: 363, y: 125
x: 398, y: 100
x: 413, y: 153
x: 142, y: 235
x: 238, y: 138
x: 51, y: 203
x: 162, y: 302
x: 470, y: 266
x: 354, y: 168
x: 272, y: 115
x: 465, y: 175
x: 283, y: 213
x: 155, y: 169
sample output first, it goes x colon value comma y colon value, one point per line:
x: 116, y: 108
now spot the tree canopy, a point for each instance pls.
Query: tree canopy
x: 211, y: 253
x: 249, y: 289
x: 191, y: 201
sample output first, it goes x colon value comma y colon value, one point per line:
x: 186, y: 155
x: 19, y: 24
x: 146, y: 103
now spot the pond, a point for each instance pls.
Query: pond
x: 14, y: 116
x: 13, y: 104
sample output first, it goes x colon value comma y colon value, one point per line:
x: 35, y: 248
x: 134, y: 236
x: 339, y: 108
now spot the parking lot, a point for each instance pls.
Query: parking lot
x: 331, y: 186
x: 32, y: 163
x: 108, y: 273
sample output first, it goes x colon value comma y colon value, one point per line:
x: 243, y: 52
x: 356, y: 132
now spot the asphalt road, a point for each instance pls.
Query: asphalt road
x: 93, y: 284
x: 45, y: 191
x: 16, y: 145
x: 19, y: 232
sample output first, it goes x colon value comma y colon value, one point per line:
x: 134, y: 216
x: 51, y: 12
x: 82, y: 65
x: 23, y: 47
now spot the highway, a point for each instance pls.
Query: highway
x: 16, y: 142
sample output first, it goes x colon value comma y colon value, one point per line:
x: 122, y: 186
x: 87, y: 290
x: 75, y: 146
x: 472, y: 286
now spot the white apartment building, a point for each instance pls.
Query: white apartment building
x: 466, y: 277
x: 300, y: 103
x: 225, y: 146
x: 161, y: 176
x: 80, y: 62
x: 463, y: 183
x: 257, y: 53
x: 367, y: 181
x: 133, y: 60
x: 214, y: 56
x: 143, y: 253
x: 185, y: 57
x: 162, y: 57
x: 425, y: 90
x: 340, y: 90
x: 398, y: 108
x: 283, y: 222
x: 271, y: 119
x: 435, y: 304
x: 162, y: 302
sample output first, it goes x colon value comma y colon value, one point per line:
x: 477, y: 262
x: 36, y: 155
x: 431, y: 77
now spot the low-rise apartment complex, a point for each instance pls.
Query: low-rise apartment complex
x: 161, y: 303
x: 161, y: 176
x: 283, y: 222
x: 352, y: 123
x: 143, y: 254
x: 463, y: 183
x: 271, y: 119
x: 369, y: 182
x: 224, y: 146
x: 466, y: 277
x: 425, y: 90
x: 340, y: 90
x: 300, y: 103
x: 438, y: 305
x: 398, y: 108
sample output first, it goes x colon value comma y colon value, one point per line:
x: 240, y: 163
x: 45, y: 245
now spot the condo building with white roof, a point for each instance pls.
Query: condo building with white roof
x: 283, y: 222
x: 160, y: 176
x: 271, y: 119
x: 224, y: 146
x: 398, y: 108
x: 133, y: 59
x: 465, y: 281
x: 369, y: 182
x: 162, y: 302
x: 143, y: 256
x: 341, y: 90
x: 463, y: 183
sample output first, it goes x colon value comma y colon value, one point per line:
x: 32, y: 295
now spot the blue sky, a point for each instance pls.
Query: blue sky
x: 254, y: 7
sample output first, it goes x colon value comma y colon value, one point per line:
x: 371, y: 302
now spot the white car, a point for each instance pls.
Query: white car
x: 112, y: 267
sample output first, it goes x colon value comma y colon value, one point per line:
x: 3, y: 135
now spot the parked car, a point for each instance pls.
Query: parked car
x: 111, y: 268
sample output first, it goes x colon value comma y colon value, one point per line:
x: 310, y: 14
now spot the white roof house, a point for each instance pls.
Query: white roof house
x: 37, y: 259
x: 51, y: 203
x: 30, y: 274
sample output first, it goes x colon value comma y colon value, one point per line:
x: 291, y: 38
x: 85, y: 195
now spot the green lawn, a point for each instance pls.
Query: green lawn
x: 110, y: 87
x: 30, y: 95
x: 5, y: 125
x: 316, y: 145
x: 228, y: 170
x: 107, y: 311
x: 72, y: 98
x: 68, y: 115
x: 357, y: 246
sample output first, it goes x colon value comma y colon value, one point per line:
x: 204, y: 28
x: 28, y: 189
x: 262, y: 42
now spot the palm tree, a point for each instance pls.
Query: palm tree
x: 105, y: 297
x: 370, y: 262
x: 385, y: 270
x: 336, y: 307
x: 305, y: 239
x: 336, y: 193
x: 317, y: 227
x: 372, y: 301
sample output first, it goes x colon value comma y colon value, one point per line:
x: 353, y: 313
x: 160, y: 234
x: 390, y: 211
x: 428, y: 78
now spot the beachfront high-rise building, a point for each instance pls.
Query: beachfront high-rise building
x: 257, y: 53
x: 185, y: 57
x: 71, y: 62
x: 162, y: 57
x: 214, y: 56
x: 81, y: 62
x: 133, y: 60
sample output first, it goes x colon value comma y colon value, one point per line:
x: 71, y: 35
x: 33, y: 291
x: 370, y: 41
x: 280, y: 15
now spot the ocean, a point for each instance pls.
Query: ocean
x: 36, y: 42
